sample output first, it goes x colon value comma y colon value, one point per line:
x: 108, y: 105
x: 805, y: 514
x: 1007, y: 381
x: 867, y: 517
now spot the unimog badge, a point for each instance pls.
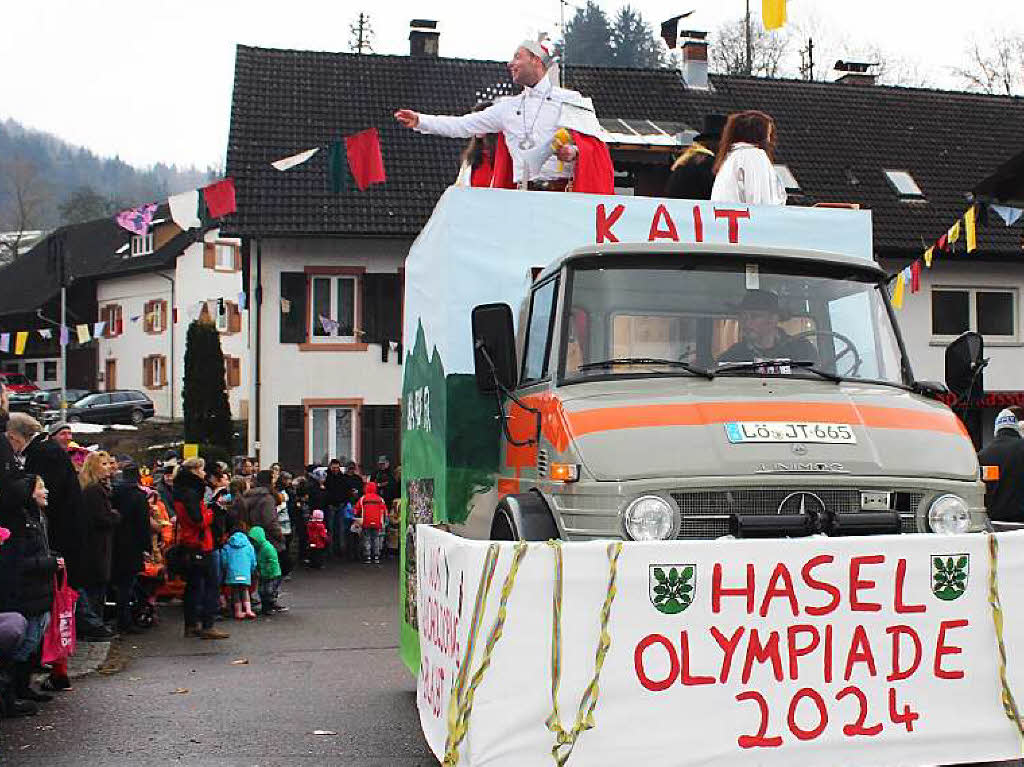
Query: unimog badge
x: 949, y: 575
x: 672, y: 586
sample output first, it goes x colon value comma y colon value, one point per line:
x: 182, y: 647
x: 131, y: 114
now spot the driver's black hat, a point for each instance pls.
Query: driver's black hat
x: 759, y: 301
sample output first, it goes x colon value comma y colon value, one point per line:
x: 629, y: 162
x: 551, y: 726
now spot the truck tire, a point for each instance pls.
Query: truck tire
x: 525, y: 517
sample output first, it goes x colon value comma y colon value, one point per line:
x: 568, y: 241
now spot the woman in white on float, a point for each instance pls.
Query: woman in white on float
x: 744, y: 171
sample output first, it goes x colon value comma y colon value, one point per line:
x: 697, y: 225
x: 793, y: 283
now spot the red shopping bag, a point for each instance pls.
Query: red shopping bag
x: 59, y: 639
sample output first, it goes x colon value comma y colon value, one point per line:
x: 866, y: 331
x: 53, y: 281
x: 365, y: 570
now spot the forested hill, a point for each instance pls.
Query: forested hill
x: 63, y: 184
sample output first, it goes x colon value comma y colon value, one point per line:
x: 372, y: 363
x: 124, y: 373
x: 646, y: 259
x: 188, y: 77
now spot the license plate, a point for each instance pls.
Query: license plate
x: 790, y: 431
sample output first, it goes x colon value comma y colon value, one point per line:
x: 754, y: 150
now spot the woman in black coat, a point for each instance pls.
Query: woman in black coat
x: 132, y: 542
x: 101, y: 520
x: 26, y: 574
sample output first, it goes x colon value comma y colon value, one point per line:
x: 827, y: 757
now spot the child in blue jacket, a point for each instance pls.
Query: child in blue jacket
x: 238, y: 563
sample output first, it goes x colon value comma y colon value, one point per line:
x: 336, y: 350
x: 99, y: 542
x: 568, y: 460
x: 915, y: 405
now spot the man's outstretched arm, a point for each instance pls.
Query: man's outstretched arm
x: 475, y: 123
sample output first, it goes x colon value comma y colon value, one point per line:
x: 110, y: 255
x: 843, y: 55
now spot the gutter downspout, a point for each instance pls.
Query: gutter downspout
x: 257, y: 299
x: 171, y: 323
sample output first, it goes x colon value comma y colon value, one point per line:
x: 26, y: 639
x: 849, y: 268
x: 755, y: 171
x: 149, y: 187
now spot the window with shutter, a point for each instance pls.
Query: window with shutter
x: 147, y: 372
x: 234, y: 317
x: 209, y: 255
x: 293, y: 308
x: 382, y: 308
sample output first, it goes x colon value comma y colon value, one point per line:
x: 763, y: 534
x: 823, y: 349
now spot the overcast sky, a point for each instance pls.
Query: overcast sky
x: 152, y: 81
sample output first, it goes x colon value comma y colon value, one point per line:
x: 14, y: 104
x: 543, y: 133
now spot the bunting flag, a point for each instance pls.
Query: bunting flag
x: 330, y: 326
x: 928, y: 256
x: 971, y: 229
x: 185, y: 209
x: 286, y: 306
x: 64, y: 336
x: 5, y: 342
x: 296, y: 159
x: 897, y: 294
x: 954, y: 233
x: 1009, y: 214
x: 136, y: 318
x: 83, y: 333
x: 364, y: 158
x: 773, y: 12
x: 915, y: 276
x: 941, y: 244
x: 46, y: 334
x: 137, y: 220
x: 336, y: 168
x: 97, y: 329
x: 19, y: 341
x: 241, y: 300
x: 220, y: 198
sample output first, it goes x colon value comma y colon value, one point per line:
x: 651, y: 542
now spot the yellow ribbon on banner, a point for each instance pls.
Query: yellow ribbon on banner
x: 897, y: 294
x: 20, y: 339
x: 461, y: 704
x: 1009, y: 702
x: 83, y: 333
x: 565, y: 741
x: 971, y: 228
x: 774, y: 13
x: 954, y: 233
x: 928, y: 257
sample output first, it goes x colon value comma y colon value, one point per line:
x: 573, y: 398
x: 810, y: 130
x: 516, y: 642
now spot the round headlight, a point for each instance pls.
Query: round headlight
x: 949, y: 515
x: 649, y: 518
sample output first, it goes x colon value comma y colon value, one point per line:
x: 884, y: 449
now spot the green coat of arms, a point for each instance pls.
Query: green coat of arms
x: 949, y: 575
x: 671, y: 587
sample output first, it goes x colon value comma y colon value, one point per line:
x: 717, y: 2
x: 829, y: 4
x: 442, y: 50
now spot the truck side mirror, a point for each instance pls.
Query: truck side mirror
x: 494, y: 348
x: 965, y: 365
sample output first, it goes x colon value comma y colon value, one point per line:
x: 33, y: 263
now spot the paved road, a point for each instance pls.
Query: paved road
x: 331, y: 663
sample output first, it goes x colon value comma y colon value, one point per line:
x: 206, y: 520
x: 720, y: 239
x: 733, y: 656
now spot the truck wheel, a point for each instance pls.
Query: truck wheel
x: 524, y: 516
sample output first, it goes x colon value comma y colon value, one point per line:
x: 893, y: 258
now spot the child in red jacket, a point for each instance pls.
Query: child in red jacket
x: 371, y: 514
x: 319, y: 539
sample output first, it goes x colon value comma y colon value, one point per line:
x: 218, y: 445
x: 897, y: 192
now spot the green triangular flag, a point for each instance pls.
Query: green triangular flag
x: 337, y: 167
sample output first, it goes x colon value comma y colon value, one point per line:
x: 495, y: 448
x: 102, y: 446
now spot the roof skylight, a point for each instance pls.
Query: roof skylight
x: 904, y: 184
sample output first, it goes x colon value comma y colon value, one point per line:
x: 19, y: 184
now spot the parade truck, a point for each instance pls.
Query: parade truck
x: 672, y: 456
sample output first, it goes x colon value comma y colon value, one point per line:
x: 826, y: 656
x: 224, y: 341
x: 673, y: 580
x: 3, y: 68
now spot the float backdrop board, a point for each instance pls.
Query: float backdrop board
x: 480, y: 246
x: 730, y: 652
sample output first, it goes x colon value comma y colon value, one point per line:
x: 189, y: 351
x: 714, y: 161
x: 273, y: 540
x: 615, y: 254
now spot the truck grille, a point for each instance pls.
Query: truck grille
x: 705, y: 513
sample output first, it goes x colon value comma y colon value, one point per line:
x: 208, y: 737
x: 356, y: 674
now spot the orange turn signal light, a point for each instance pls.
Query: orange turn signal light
x: 990, y: 473
x: 564, y: 472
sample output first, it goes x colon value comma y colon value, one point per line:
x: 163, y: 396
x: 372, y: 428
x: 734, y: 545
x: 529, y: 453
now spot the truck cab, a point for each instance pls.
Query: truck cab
x: 689, y: 391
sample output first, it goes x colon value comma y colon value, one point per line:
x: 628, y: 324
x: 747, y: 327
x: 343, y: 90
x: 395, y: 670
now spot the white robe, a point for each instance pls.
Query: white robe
x: 748, y: 176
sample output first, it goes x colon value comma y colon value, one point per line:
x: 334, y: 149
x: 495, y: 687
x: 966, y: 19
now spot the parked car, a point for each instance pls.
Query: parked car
x: 45, y: 405
x: 123, y: 406
x: 19, y: 391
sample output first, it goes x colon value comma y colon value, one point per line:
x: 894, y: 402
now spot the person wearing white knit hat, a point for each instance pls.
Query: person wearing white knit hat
x: 1004, y: 496
x: 528, y: 120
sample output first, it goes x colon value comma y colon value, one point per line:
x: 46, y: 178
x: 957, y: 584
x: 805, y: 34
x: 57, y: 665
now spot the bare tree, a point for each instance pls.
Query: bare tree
x: 727, y: 50
x: 24, y: 194
x: 995, y: 65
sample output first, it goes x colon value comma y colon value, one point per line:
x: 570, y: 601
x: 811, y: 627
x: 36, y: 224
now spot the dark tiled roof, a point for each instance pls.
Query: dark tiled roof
x: 91, y: 252
x: 836, y: 138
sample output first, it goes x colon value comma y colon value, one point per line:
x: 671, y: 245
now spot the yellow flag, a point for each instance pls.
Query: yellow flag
x: 190, y: 450
x: 83, y: 333
x: 971, y: 229
x: 954, y: 233
x: 897, y: 295
x: 774, y: 13
x: 928, y: 257
x: 19, y: 341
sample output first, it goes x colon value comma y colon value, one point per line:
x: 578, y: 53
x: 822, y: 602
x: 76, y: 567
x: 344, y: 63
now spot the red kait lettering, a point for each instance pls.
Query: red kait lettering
x: 734, y: 217
x: 605, y: 223
x: 662, y: 226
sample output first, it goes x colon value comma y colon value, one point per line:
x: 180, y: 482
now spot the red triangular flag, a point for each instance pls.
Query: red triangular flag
x: 915, y: 276
x: 594, y: 171
x: 941, y: 244
x: 364, y: 158
x: 220, y: 198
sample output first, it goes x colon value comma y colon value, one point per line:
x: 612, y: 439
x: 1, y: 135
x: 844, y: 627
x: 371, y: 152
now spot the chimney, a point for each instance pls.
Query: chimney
x: 423, y: 38
x: 694, y: 47
x: 855, y: 72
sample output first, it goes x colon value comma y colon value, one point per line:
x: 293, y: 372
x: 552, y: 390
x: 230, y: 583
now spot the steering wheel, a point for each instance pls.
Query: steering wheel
x: 846, y: 347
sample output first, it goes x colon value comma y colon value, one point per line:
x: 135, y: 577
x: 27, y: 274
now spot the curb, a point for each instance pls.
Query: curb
x: 88, y: 658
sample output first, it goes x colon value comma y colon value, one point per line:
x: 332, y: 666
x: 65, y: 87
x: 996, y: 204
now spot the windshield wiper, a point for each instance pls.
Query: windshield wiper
x: 808, y: 365
x: 648, y: 361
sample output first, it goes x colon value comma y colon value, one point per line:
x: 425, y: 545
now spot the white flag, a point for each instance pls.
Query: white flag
x: 98, y: 329
x: 1008, y: 214
x: 296, y: 159
x: 185, y: 209
x: 46, y: 333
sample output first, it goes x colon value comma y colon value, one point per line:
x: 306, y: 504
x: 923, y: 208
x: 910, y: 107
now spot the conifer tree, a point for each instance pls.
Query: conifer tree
x: 205, y: 396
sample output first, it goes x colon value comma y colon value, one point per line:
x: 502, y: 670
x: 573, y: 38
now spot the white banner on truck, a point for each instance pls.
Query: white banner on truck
x: 815, y: 651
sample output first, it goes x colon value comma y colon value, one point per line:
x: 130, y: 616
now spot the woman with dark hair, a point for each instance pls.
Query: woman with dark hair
x: 744, y: 169
x: 478, y: 156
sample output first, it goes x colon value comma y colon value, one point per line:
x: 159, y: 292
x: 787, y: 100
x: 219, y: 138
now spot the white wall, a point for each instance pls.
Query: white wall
x: 290, y: 375
x: 192, y: 283
x: 1005, y: 371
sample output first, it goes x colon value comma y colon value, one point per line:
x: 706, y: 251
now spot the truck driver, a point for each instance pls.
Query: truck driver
x: 761, y: 338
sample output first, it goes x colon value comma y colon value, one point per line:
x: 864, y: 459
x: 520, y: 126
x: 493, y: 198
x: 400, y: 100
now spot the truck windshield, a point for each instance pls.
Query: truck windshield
x: 638, y: 318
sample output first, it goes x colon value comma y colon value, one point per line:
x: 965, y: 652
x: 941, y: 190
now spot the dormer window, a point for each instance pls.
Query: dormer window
x: 904, y: 185
x: 787, y: 178
x: 142, y: 244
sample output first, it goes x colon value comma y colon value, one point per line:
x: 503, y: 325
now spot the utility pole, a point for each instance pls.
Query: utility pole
x: 362, y: 34
x: 807, y: 60
x: 750, y: 49
x: 61, y: 273
x: 561, y: 26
